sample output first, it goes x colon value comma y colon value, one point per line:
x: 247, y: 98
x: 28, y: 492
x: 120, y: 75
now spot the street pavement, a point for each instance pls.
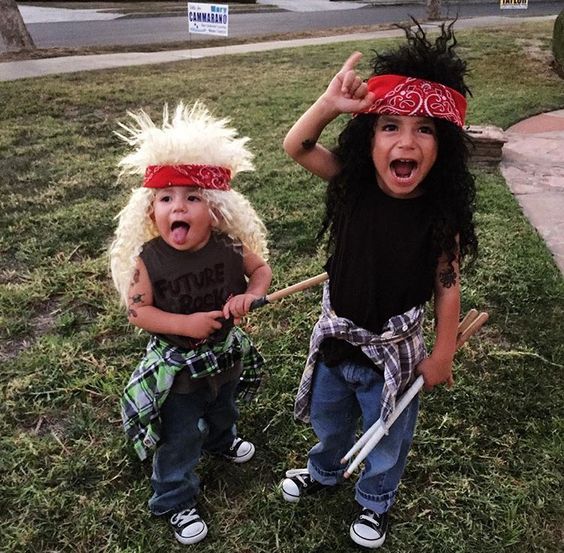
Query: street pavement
x: 42, y: 14
x: 39, y: 14
x: 532, y: 160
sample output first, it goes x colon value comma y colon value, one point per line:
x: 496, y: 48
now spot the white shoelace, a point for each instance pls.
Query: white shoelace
x: 185, y: 517
x: 299, y: 473
x: 370, y: 518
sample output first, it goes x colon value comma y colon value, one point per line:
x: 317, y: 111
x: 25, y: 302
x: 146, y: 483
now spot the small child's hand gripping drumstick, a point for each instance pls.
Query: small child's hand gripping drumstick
x: 469, y: 325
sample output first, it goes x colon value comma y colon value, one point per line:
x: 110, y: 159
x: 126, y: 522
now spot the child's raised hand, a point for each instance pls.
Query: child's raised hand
x: 203, y: 323
x: 435, y: 372
x: 238, y: 306
x: 347, y: 91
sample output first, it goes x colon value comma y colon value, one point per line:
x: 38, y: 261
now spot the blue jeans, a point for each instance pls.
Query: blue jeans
x: 191, y: 423
x: 340, y: 395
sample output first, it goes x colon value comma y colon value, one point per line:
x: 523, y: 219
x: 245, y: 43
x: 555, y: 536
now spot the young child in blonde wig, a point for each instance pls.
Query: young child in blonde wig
x: 193, y: 133
x: 188, y: 261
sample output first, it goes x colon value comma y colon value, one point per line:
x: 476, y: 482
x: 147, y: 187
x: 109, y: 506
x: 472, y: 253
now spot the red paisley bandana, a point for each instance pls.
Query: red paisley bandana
x: 204, y: 176
x: 397, y: 95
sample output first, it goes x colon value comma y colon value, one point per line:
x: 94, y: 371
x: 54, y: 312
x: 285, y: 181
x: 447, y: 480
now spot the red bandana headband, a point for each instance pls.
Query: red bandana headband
x: 204, y: 176
x: 397, y: 95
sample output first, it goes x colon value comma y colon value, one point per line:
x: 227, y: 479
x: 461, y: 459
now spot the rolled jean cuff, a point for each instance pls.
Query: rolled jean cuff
x: 377, y: 503
x: 170, y: 512
x: 327, y: 478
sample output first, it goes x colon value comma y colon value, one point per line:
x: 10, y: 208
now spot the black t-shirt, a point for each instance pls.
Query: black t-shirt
x: 191, y: 282
x: 382, y: 263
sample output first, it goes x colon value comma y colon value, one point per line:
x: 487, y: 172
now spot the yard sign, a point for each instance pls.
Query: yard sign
x: 208, y: 19
x: 513, y: 4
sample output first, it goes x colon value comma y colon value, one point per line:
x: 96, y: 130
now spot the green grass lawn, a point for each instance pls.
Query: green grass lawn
x: 485, y: 473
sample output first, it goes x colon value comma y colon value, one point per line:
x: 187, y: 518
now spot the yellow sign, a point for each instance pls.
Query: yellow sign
x: 513, y: 4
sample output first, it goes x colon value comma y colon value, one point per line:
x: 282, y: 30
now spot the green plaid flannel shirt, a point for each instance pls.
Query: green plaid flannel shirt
x: 152, y: 380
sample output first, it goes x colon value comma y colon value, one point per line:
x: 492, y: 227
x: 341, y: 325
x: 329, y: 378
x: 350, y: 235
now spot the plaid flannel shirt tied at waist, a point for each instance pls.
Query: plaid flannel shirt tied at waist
x: 398, y: 350
x: 152, y: 380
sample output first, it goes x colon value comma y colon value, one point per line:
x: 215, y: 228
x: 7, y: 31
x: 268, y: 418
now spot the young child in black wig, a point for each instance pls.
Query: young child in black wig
x: 399, y: 212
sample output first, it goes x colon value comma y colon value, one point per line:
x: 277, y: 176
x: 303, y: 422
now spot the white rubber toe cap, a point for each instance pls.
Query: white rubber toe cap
x: 290, y: 490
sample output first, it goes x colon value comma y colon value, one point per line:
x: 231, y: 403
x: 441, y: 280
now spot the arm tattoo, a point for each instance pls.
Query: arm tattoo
x: 448, y: 277
x: 136, y: 298
x: 135, y: 278
x: 308, y: 143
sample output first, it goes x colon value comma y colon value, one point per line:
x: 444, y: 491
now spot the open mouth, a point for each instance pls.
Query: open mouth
x: 403, y: 168
x: 179, y: 231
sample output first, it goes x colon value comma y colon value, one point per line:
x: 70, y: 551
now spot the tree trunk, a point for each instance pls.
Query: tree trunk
x: 433, y: 9
x: 13, y: 32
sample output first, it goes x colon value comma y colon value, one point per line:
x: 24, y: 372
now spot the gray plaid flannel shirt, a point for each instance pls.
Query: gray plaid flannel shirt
x: 398, y: 350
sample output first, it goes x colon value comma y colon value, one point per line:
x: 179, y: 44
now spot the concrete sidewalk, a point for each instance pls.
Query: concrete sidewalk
x: 533, y: 167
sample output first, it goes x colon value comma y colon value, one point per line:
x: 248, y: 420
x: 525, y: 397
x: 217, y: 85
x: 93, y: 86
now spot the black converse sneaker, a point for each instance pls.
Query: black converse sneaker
x: 240, y: 451
x: 299, y: 482
x: 369, y: 529
x: 188, y: 526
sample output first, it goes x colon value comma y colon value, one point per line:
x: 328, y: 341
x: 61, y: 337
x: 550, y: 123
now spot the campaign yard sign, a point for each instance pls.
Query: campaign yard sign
x: 208, y: 19
x: 513, y: 4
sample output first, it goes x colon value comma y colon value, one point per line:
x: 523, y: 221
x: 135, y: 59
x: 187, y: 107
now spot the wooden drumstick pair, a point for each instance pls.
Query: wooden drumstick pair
x: 470, y: 324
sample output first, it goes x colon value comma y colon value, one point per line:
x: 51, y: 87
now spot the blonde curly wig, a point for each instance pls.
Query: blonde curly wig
x: 193, y: 136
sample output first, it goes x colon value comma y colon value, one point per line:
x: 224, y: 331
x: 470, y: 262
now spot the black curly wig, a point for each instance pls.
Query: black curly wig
x: 449, y: 184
